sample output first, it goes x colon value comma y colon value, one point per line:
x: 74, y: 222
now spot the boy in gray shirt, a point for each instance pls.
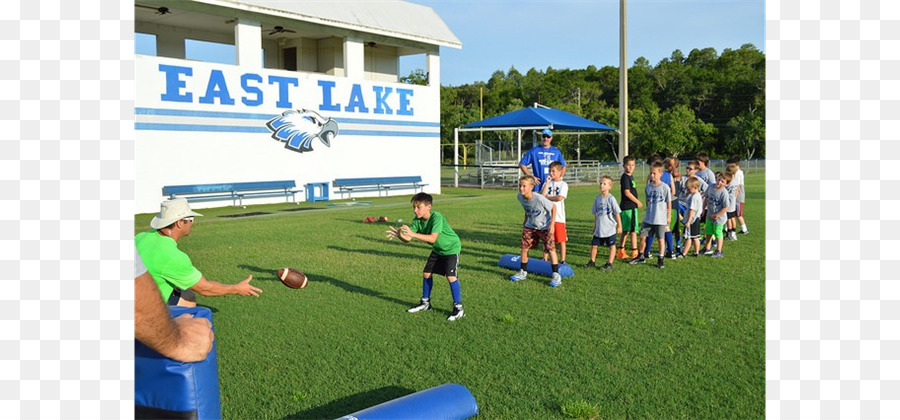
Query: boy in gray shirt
x: 716, y: 208
x: 537, y: 226
x: 659, y: 213
x: 691, y: 220
x: 607, y: 223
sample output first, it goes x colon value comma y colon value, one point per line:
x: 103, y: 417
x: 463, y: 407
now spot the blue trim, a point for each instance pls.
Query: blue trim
x: 200, y: 127
x: 207, y: 114
x: 247, y: 116
x: 388, y: 133
x: 241, y: 129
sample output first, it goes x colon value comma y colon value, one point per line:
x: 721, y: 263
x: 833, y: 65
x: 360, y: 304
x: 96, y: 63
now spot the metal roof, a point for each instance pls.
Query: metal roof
x: 393, y: 18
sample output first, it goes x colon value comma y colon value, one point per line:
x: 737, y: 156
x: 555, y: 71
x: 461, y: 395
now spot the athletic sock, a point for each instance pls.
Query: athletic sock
x: 555, y: 267
x: 454, y: 290
x: 426, y: 287
x: 524, y: 265
x: 743, y: 228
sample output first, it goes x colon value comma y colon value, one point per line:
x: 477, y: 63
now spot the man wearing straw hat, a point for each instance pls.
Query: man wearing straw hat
x: 172, y: 269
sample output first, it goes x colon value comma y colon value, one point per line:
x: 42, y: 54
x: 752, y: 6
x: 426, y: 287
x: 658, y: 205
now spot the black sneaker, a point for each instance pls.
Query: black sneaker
x: 563, y: 262
x: 590, y: 264
x: 639, y: 260
x: 607, y: 266
x: 457, y: 312
x: 696, y: 254
x: 423, y: 305
x: 660, y: 262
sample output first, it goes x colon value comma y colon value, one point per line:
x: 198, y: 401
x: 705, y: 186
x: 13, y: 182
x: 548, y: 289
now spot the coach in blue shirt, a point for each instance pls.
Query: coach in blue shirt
x: 540, y: 158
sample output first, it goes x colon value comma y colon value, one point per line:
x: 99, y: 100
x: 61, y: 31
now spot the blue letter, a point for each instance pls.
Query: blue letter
x: 216, y: 89
x: 252, y: 89
x: 327, y: 105
x: 404, y: 102
x: 356, y: 100
x: 381, y: 107
x: 174, y: 84
x: 283, y: 83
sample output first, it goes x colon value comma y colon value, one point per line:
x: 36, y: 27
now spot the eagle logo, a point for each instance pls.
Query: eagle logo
x: 298, y: 128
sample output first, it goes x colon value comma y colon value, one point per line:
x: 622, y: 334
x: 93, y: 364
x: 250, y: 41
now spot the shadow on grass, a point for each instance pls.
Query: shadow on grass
x: 352, y: 403
x: 261, y: 274
x: 353, y: 288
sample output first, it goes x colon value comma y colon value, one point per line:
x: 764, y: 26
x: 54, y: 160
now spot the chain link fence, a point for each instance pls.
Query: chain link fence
x: 506, y: 173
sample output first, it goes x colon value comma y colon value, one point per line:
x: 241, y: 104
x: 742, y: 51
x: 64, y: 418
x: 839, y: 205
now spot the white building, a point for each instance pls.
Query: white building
x: 199, y: 122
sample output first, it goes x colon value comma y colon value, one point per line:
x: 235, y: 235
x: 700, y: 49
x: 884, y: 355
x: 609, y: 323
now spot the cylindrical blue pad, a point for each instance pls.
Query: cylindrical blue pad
x: 535, y: 265
x: 443, y: 402
x: 165, y: 388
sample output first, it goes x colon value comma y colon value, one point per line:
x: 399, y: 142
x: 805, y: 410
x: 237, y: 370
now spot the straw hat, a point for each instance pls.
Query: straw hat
x: 171, y: 211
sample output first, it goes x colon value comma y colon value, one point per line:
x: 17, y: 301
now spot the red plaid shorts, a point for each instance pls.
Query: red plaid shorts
x: 531, y: 238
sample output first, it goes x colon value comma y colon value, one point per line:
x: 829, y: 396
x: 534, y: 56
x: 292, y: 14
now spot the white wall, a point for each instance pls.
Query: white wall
x: 190, y: 142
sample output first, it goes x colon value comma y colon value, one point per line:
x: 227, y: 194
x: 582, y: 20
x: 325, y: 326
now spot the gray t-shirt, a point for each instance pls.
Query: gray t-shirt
x: 684, y: 194
x: 695, y: 203
x: 708, y: 176
x: 538, y: 211
x: 656, y: 198
x: 716, y: 200
x: 732, y: 196
x: 605, y: 211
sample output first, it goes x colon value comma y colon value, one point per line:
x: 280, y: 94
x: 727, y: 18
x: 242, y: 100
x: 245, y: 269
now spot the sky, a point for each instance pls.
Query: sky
x: 525, y: 34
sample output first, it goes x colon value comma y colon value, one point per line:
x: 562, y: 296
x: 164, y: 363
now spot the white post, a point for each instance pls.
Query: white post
x: 433, y: 64
x: 519, y: 149
x: 456, y: 157
x: 248, y: 43
x: 354, y: 59
x: 623, y: 79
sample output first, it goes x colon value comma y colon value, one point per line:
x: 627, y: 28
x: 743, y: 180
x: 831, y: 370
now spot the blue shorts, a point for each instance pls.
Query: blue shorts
x: 598, y: 241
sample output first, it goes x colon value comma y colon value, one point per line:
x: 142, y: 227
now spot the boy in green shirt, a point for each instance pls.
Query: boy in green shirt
x: 431, y: 227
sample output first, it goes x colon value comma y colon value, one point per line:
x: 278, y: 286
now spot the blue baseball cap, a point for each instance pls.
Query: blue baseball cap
x: 547, y: 132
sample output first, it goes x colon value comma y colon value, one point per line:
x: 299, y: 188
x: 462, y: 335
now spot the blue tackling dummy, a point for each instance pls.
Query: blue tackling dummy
x: 535, y: 265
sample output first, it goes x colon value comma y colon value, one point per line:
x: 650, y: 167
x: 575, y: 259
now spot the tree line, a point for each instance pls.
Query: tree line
x: 684, y: 104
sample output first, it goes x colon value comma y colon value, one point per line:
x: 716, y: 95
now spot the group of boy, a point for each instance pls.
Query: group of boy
x: 701, y: 197
x: 699, y: 202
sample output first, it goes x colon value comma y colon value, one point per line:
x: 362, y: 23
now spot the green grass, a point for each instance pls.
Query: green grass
x: 637, y: 342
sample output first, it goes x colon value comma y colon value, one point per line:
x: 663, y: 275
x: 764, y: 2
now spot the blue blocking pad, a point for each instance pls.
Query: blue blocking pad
x: 535, y: 265
x: 447, y: 402
x: 165, y: 388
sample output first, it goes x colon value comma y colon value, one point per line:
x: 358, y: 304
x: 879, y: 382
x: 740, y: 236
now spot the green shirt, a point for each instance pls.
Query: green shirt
x: 447, y: 242
x: 169, y: 266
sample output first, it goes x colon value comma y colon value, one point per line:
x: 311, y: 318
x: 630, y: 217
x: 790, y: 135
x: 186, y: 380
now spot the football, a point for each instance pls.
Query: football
x: 293, y: 278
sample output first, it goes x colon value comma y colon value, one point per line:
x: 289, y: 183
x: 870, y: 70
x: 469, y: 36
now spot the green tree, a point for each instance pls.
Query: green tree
x: 749, y: 135
x: 415, y: 77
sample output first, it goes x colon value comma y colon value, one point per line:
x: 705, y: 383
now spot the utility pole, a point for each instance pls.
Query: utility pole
x: 623, y: 79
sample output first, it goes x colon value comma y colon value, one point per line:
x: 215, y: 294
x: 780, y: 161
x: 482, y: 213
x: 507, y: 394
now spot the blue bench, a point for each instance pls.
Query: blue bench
x: 386, y: 184
x: 234, y: 191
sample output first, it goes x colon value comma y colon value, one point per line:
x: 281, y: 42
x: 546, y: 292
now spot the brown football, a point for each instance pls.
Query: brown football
x: 293, y: 278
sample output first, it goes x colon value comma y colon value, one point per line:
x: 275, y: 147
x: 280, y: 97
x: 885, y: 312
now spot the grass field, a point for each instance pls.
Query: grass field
x: 636, y: 342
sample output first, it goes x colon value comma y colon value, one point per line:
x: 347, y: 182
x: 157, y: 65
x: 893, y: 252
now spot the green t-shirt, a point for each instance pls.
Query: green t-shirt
x: 447, y: 242
x: 169, y: 266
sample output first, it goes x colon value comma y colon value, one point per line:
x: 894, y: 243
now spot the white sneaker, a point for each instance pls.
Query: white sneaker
x: 457, y: 312
x: 557, y: 280
x: 521, y: 275
x: 423, y: 305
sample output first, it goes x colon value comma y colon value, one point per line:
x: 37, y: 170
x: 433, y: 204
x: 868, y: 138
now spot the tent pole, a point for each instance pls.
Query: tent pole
x: 519, y: 149
x: 456, y: 157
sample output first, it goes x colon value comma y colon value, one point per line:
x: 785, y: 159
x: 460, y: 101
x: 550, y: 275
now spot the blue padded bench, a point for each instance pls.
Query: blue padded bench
x: 386, y: 184
x: 234, y: 191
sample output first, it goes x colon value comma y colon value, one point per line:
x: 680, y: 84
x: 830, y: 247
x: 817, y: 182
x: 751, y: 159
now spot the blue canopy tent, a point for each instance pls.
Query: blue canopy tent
x: 538, y: 117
